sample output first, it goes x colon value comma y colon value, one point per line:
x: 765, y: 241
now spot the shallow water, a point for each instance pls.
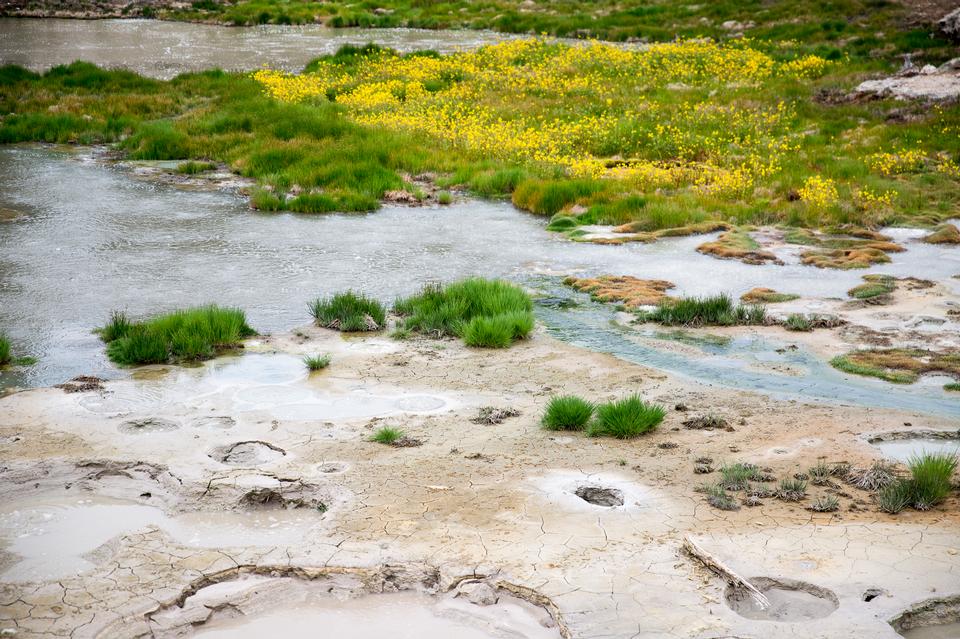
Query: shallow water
x: 944, y: 631
x: 399, y: 616
x: 145, y: 248
x: 165, y: 49
x: 902, y: 450
x: 52, y: 535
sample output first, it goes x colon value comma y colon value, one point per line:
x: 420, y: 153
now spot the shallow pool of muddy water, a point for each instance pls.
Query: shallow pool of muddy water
x: 52, y: 536
x: 164, y: 49
x: 945, y: 631
x: 903, y: 450
x: 130, y: 244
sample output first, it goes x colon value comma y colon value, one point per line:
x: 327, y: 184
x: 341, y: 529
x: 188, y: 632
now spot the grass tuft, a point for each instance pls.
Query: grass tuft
x: 738, y: 476
x: 191, y: 334
x: 349, y: 312
x: 387, y: 435
x: 718, y: 310
x: 567, y: 412
x: 626, y: 418
x: 486, y: 313
x: 825, y: 504
x: 316, y: 362
x: 5, y: 356
x: 931, y: 476
x: 792, y: 489
x: 798, y: 322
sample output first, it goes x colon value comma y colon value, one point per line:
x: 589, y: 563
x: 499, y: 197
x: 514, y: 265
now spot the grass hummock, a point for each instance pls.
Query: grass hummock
x: 5, y: 356
x: 716, y: 310
x: 798, y: 322
x: 567, y: 412
x: 929, y: 483
x: 626, y: 418
x: 387, y: 435
x: 898, y: 365
x: 349, y: 312
x: 766, y: 296
x: 874, y: 286
x: 485, y: 313
x: 191, y: 334
x: 316, y: 362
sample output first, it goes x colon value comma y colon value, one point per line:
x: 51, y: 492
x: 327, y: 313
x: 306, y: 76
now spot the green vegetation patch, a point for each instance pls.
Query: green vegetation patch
x: 717, y: 310
x: 626, y: 418
x: 567, y: 412
x: 316, y: 362
x: 929, y: 484
x: 349, y: 312
x: 185, y: 335
x: 898, y: 365
x: 874, y: 286
x: 485, y: 313
x: 387, y: 435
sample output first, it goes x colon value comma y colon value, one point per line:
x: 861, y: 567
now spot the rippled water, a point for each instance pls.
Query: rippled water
x: 164, y: 49
x: 92, y: 239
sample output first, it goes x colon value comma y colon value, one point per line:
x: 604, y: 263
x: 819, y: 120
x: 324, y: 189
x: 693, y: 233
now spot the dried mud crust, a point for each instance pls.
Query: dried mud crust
x: 469, y: 502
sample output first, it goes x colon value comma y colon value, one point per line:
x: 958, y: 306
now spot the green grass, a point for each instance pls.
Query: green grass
x: 717, y: 310
x: 929, y: 484
x: 931, y: 478
x: 316, y: 362
x: 792, y: 489
x: 952, y: 386
x: 567, y: 412
x: 5, y: 351
x: 874, y: 286
x: 386, y: 435
x: 738, y: 476
x: 445, y: 198
x: 349, y: 312
x: 485, y: 313
x: 626, y: 418
x: 191, y: 334
x: 797, y: 322
x: 192, y: 167
x: 845, y: 364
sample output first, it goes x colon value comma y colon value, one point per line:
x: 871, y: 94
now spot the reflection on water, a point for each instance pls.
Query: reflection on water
x: 165, y: 49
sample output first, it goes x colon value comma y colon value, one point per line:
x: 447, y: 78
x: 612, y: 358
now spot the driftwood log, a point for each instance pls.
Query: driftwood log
x: 715, y: 565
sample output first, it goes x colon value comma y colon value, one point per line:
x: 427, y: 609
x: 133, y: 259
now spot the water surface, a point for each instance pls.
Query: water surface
x: 164, y: 49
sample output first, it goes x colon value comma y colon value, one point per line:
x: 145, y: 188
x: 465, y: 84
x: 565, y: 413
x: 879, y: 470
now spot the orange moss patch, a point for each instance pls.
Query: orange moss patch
x: 944, y: 234
x: 677, y: 231
x: 845, y: 258
x: 630, y: 291
x: 766, y: 296
x: 738, y: 245
x: 899, y: 365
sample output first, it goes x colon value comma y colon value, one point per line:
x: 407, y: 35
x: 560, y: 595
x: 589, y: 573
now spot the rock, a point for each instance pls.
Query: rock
x: 928, y: 69
x: 478, y: 592
x: 933, y: 85
x: 949, y: 25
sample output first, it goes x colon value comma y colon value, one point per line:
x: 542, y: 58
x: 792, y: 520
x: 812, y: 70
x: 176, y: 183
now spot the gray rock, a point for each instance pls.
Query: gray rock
x: 949, y: 25
x: 478, y: 592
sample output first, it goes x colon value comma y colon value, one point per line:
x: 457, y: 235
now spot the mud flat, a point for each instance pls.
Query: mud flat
x: 579, y: 536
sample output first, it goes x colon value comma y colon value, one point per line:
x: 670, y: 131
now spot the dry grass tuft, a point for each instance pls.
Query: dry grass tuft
x: 630, y: 291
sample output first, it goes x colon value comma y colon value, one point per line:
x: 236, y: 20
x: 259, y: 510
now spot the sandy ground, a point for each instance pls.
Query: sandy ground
x: 489, y: 501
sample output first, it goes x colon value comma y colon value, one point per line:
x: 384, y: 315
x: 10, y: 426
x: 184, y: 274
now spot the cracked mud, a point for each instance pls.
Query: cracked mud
x: 158, y: 534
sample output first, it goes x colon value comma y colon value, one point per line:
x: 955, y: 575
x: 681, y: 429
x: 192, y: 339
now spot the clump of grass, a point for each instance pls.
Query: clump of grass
x: 825, y: 504
x: 316, y: 362
x: 626, y: 418
x: 718, y: 497
x: 930, y: 481
x: 5, y: 350
x: 738, y: 476
x: 387, y: 435
x: 717, y: 310
x: 820, y: 474
x: 349, y: 312
x: 497, y: 331
x: 567, y: 412
x: 875, y: 286
x: 792, y: 489
x: 952, y: 386
x: 879, y: 475
x: 895, y: 497
x: 401, y: 333
x: 193, y: 167
x: 444, y: 197
x: 191, y: 334
x: 485, y: 313
x: 798, y: 322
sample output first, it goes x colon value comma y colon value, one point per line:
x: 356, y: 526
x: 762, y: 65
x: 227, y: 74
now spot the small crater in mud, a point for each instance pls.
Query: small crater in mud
x: 790, y: 600
x: 270, y: 499
x: 329, y: 468
x: 148, y: 425
x: 248, y: 453
x: 599, y: 496
x: 930, y: 619
x: 214, y: 421
x: 872, y: 593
